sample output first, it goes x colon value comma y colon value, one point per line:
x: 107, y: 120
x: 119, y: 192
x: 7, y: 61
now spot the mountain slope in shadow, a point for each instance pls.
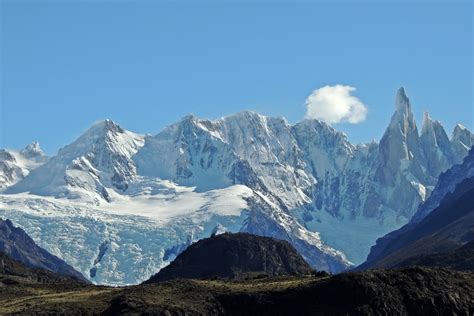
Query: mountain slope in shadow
x: 16, y: 243
x: 445, y: 229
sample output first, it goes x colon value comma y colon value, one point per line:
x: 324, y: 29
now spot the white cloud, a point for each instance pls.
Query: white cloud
x: 335, y: 104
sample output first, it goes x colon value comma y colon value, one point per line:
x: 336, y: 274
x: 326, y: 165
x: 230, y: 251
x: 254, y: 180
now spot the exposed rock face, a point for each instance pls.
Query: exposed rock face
x: 408, y: 165
x: 232, y: 256
x: 441, y: 230
x: 15, y: 243
x: 400, y: 144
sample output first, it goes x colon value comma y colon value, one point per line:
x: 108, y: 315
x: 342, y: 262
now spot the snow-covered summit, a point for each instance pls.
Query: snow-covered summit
x: 462, y: 140
x: 98, y: 161
x: 15, y: 165
x: 32, y: 150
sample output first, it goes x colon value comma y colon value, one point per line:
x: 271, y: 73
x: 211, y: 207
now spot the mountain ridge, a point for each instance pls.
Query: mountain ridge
x: 304, y: 183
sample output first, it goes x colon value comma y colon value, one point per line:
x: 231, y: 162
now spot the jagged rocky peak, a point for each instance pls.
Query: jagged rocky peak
x: 402, y: 126
x: 190, y: 119
x: 460, y: 130
x: 427, y: 127
x: 98, y: 159
x: 441, y: 136
x: 104, y: 136
x: 108, y: 148
x: 103, y: 131
x: 191, y: 132
x: 441, y: 152
x: 434, y: 134
x: 445, y: 146
x: 462, y: 137
x: 400, y: 142
x: 32, y: 150
x: 434, y: 137
x: 107, y: 125
x: 403, y: 117
x: 462, y: 141
x: 15, y: 165
x: 402, y: 101
x: 5, y: 155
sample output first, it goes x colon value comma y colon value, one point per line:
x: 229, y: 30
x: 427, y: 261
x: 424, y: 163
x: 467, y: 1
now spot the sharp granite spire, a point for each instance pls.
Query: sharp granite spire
x: 400, y: 143
x: 32, y: 150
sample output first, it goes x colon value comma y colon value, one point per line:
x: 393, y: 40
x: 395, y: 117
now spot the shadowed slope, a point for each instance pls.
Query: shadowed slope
x: 15, y: 243
x: 233, y: 256
x: 448, y: 227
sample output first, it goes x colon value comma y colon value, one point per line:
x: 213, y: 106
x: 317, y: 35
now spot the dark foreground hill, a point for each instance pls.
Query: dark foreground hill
x: 234, y: 256
x: 16, y: 243
x: 408, y: 291
x: 461, y: 259
x: 405, y: 291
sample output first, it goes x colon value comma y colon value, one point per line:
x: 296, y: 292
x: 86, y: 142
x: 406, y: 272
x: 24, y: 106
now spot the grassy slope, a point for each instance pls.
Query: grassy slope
x: 412, y: 290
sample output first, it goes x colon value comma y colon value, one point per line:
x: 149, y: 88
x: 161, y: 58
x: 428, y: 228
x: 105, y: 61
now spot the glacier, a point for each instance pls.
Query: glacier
x: 119, y: 206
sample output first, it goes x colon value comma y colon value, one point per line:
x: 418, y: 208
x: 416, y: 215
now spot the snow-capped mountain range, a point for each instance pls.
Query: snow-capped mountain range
x: 119, y: 206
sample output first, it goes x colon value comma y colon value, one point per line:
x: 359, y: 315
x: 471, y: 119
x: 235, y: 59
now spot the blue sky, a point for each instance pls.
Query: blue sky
x: 147, y: 64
